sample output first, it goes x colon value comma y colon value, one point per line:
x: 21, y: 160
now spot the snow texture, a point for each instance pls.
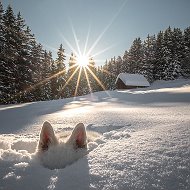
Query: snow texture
x: 143, y: 140
x: 133, y: 79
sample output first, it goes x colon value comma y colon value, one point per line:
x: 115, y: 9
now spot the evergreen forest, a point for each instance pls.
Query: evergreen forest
x: 29, y: 73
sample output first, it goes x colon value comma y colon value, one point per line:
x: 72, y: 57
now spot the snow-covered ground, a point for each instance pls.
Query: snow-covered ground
x: 144, y: 140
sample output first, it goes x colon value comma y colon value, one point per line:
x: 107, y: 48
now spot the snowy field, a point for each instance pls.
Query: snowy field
x: 144, y: 140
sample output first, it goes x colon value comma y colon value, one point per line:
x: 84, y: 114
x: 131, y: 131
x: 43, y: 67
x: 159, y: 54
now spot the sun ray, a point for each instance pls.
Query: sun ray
x: 43, y: 81
x: 86, y: 75
x: 75, y: 37
x: 69, y: 44
x: 33, y: 87
x: 99, y: 82
x: 78, y: 81
x: 67, y: 82
x: 87, y: 38
x: 107, y: 27
x: 102, y: 51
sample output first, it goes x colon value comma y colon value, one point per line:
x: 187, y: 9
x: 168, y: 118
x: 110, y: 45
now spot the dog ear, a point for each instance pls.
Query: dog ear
x: 47, y: 137
x: 78, y: 136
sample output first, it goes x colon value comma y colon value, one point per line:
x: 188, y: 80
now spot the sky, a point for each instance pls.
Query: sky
x: 104, y: 28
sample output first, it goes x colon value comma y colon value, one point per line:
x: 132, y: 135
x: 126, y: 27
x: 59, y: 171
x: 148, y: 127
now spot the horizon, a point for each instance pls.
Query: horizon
x: 103, y: 31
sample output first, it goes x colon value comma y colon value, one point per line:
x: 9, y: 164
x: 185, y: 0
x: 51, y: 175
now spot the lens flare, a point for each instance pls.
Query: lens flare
x: 82, y: 61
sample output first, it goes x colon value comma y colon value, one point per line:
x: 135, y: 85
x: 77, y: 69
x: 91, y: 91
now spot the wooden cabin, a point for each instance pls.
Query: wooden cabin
x: 129, y: 81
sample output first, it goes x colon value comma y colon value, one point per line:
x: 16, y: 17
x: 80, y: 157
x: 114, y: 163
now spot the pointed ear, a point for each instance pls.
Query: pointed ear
x: 47, y: 137
x: 78, y: 136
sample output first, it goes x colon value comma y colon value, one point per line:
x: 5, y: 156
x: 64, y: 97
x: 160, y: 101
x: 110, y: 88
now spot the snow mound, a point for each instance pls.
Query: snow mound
x: 27, y: 144
x: 16, y: 149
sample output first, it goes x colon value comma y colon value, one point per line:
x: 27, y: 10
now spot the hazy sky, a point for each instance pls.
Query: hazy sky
x: 109, y: 25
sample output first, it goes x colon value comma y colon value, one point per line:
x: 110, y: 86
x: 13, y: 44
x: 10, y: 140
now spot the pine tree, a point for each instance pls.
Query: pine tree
x: 186, y: 59
x: 61, y: 71
x: 72, y: 76
x: 159, y: 68
x: 101, y: 76
x: 136, y: 56
x: 53, y: 80
x: 126, y: 64
x: 92, y: 77
x: 118, y: 66
x: 109, y: 68
x: 10, y: 55
x: 169, y: 66
x: 37, y: 54
x: 1, y: 28
x: 104, y: 76
x: 114, y: 68
x: 177, y: 53
x: 2, y: 56
x: 46, y: 74
x: 23, y: 75
x: 149, y: 49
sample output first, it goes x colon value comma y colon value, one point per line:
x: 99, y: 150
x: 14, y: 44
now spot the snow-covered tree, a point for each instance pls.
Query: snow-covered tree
x: 135, y: 56
x: 71, y: 76
x: 118, y: 66
x: 2, y: 55
x: 110, y: 75
x: 10, y: 55
x: 125, y: 66
x: 53, y: 80
x: 46, y: 74
x: 159, y: 57
x: 23, y: 74
x: 101, y: 76
x: 93, y: 82
x: 177, y: 52
x: 37, y: 69
x: 186, y: 59
x: 169, y: 67
x: 1, y: 28
x: 61, y: 71
x: 149, y: 49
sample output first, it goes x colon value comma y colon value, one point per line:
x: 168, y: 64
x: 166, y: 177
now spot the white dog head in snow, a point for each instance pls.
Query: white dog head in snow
x: 57, y: 153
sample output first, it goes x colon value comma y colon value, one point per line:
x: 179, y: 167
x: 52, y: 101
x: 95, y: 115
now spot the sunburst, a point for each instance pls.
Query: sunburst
x: 82, y: 59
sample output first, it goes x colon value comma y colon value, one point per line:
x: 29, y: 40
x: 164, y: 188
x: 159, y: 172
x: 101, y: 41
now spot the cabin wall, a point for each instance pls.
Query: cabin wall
x: 120, y: 85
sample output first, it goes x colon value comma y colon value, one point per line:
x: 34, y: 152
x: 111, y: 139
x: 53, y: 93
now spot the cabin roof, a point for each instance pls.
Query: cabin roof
x: 133, y: 79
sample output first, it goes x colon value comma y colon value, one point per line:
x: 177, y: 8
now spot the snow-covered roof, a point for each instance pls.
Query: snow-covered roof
x: 133, y: 79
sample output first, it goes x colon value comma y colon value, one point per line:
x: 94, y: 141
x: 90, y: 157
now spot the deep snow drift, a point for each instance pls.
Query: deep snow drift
x: 144, y: 141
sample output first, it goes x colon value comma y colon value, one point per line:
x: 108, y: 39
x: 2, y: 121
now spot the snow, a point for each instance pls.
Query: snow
x: 133, y: 79
x: 143, y: 140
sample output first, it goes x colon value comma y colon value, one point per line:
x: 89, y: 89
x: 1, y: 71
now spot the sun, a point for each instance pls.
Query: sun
x: 82, y: 60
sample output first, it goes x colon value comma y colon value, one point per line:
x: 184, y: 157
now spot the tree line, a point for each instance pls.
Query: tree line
x: 165, y: 56
x: 28, y: 72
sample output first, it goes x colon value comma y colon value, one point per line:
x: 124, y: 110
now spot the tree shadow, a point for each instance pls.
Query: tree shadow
x: 15, y: 117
